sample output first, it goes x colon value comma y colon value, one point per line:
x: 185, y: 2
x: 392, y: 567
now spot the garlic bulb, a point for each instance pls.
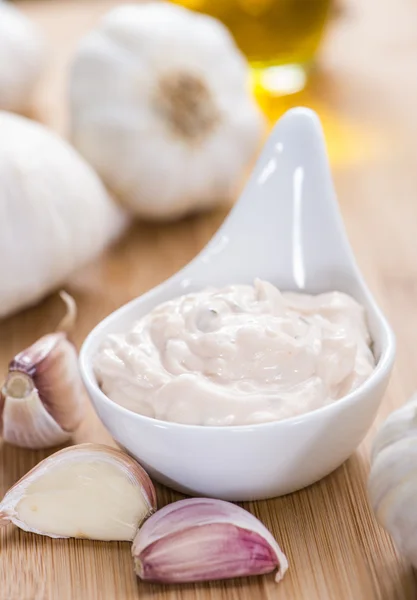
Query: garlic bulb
x: 201, y: 539
x: 55, y: 214
x: 393, y: 478
x: 160, y: 106
x: 42, y: 400
x: 22, y: 56
x: 86, y: 491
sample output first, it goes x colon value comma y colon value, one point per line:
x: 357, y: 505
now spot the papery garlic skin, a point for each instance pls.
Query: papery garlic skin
x: 22, y: 58
x: 201, y: 539
x: 86, y: 491
x: 56, y: 215
x: 160, y: 106
x: 42, y: 400
x: 392, y: 484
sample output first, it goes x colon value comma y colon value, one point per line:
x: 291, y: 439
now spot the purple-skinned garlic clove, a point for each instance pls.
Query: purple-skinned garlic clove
x: 42, y: 400
x: 201, y: 539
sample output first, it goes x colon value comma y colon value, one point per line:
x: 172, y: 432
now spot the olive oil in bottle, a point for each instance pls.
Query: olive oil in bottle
x: 272, y: 33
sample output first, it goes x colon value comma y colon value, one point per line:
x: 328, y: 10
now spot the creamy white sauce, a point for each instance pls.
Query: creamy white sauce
x: 239, y: 355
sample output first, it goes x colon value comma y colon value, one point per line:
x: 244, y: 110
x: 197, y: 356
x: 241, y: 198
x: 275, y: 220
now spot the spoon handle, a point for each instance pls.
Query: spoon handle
x: 286, y: 226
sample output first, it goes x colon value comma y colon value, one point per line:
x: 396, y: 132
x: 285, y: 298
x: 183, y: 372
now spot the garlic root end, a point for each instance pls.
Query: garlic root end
x: 18, y: 385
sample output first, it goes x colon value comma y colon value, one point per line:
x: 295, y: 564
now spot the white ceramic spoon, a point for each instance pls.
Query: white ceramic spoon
x: 286, y: 228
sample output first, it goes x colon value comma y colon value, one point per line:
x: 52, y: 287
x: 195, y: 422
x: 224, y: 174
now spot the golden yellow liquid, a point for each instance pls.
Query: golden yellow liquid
x: 270, y: 32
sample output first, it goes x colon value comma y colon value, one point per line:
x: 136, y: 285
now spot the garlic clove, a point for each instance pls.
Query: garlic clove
x: 42, y: 399
x: 202, y: 539
x: 43, y: 395
x: 86, y: 491
x: 51, y: 364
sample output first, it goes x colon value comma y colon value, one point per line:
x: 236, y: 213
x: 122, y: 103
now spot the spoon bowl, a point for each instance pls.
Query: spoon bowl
x: 286, y: 228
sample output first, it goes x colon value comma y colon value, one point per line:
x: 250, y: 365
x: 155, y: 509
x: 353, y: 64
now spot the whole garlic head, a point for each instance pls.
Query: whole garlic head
x: 22, y: 57
x: 393, y: 478
x: 160, y: 106
x: 55, y: 214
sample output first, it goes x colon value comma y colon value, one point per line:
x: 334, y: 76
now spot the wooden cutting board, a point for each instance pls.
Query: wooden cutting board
x: 366, y: 93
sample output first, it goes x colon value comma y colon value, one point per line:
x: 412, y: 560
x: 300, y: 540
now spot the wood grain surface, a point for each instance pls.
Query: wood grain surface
x: 366, y: 92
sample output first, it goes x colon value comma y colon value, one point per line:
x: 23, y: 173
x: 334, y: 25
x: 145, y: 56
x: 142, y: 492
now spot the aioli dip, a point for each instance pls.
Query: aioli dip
x: 238, y: 355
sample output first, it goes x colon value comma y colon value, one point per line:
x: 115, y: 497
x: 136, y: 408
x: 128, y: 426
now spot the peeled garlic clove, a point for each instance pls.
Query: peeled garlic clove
x: 86, y: 491
x: 202, y: 539
x: 43, y: 396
